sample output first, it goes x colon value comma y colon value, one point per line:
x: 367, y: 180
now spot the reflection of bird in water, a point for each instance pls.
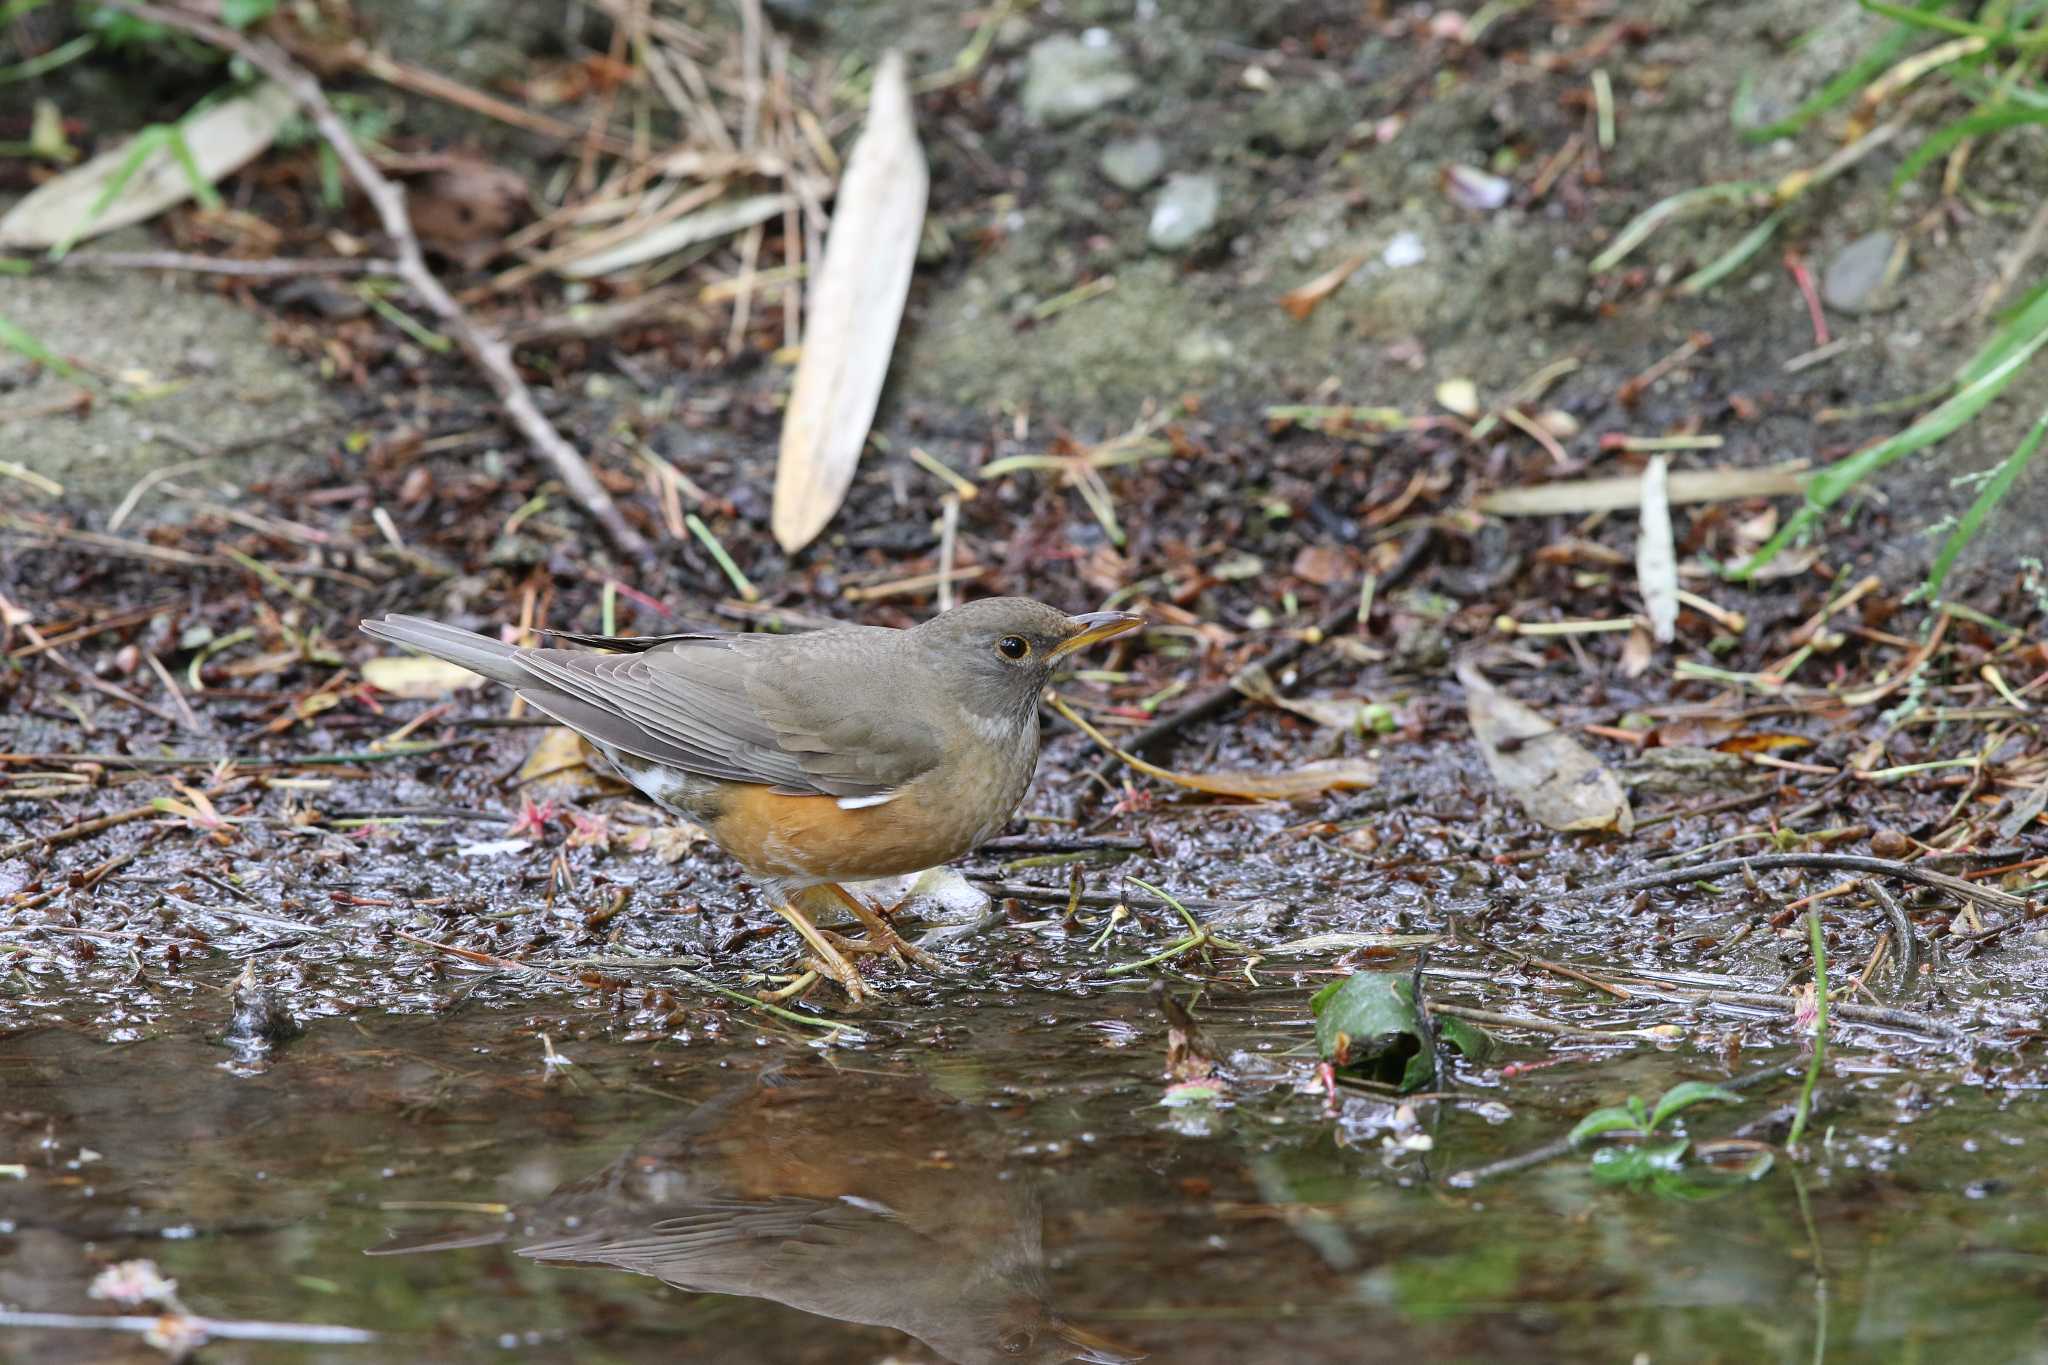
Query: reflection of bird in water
x: 815, y: 1194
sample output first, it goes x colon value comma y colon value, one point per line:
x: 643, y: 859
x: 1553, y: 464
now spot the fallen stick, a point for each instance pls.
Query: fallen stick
x: 1825, y: 862
x: 485, y: 348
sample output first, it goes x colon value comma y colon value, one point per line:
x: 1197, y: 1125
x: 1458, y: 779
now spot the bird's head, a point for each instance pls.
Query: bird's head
x: 999, y: 652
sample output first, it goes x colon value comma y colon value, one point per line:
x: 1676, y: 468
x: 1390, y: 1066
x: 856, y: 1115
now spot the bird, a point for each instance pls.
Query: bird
x: 861, y: 1196
x: 816, y: 759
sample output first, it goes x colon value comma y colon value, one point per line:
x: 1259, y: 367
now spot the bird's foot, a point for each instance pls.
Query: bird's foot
x: 882, y: 936
x: 826, y: 959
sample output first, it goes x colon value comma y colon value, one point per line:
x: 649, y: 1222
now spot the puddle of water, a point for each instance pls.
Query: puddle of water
x: 996, y: 1185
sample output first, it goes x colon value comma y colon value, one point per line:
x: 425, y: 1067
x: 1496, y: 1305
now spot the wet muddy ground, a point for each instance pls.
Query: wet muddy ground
x: 294, y: 969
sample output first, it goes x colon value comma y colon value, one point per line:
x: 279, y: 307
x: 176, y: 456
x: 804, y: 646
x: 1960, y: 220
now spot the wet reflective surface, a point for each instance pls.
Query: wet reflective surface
x: 985, y: 1185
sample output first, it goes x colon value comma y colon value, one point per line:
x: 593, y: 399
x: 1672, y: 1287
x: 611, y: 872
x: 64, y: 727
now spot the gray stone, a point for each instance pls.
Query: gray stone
x: 1185, y: 210
x: 1859, y: 277
x: 1067, y: 78
x: 1133, y: 163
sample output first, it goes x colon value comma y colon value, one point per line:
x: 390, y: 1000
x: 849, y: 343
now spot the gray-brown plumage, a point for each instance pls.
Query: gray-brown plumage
x: 815, y: 759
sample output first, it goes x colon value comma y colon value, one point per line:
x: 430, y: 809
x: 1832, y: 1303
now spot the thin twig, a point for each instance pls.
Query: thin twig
x: 485, y: 348
x: 1902, y: 932
x: 276, y: 268
x: 1826, y: 862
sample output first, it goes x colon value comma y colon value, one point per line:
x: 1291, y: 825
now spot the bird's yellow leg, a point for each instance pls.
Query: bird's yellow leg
x: 829, y: 959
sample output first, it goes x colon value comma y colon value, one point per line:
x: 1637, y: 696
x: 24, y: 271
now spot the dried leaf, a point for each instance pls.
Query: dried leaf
x: 222, y: 140
x: 1636, y: 653
x: 1616, y: 495
x: 719, y: 220
x: 1656, y: 556
x: 1768, y: 743
x: 1306, y: 779
x: 1324, y: 565
x: 1459, y: 396
x: 556, y: 765
x: 1474, y: 190
x: 672, y: 843
x: 855, y: 305
x: 420, y: 679
x: 1555, y: 778
x: 1302, y: 300
x: 1358, y: 714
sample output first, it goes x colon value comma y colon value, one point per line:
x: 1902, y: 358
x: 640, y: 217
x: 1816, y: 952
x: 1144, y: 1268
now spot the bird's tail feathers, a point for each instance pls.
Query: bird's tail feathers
x: 478, y: 653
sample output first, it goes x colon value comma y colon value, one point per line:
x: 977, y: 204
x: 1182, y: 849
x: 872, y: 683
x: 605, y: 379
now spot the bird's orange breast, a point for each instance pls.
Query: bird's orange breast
x: 814, y: 838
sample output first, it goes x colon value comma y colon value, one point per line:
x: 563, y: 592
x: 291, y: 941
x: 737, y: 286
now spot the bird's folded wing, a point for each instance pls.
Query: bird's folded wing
x: 721, y: 710
x: 859, y: 727
x: 627, y: 644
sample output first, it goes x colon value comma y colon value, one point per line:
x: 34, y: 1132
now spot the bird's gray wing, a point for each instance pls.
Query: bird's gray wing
x: 855, y: 716
x: 628, y: 644
x: 774, y: 710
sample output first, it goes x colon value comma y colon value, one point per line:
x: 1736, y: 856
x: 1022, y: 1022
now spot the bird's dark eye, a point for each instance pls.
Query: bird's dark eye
x: 1013, y: 646
x: 1014, y: 1343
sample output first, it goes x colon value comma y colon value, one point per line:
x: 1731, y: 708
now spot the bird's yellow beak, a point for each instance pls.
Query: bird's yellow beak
x: 1096, y: 1350
x: 1093, y: 627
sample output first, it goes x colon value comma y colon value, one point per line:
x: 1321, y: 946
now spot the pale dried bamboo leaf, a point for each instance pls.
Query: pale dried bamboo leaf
x: 1615, y: 495
x: 856, y: 304
x: 1656, y: 555
x: 222, y: 139
x: 421, y: 679
x: 718, y: 220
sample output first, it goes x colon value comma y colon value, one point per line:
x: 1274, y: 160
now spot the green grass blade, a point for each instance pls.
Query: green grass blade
x: 1867, y: 68
x: 202, y: 188
x: 146, y: 142
x: 1988, y: 497
x: 1838, y: 478
x: 1929, y: 17
x: 1937, y: 143
x: 49, y: 61
x: 2027, y: 320
x: 17, y: 338
x: 1664, y: 210
x: 1735, y: 257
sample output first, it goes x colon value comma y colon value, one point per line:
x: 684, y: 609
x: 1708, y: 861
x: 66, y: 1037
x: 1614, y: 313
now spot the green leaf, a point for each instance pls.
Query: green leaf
x: 1631, y: 1164
x: 1988, y: 497
x: 1470, y: 1039
x: 242, y: 13
x: 1614, y: 1118
x: 1370, y: 1021
x: 1688, y: 1093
